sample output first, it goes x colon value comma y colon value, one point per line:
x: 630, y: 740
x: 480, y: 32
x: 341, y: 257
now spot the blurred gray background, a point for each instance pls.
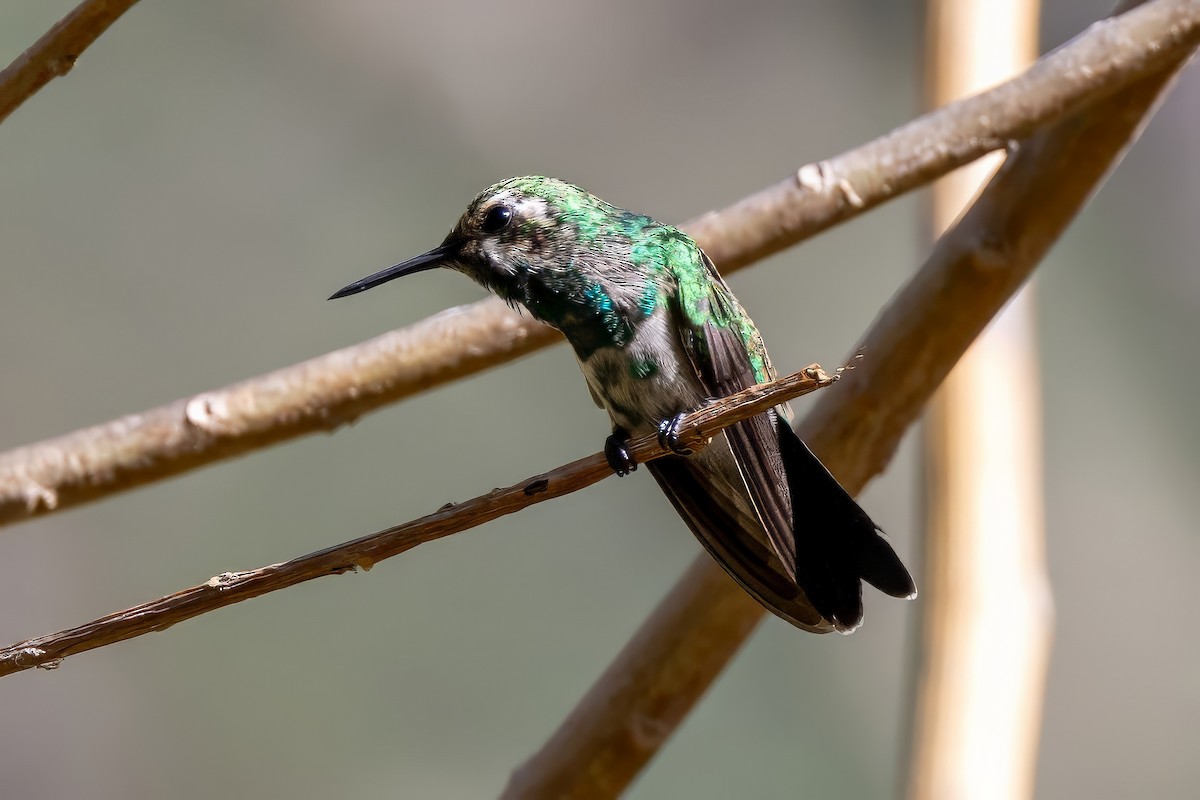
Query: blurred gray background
x: 172, y: 216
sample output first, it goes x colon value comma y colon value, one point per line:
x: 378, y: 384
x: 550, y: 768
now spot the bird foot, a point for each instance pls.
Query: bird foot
x: 668, y: 435
x: 618, y: 455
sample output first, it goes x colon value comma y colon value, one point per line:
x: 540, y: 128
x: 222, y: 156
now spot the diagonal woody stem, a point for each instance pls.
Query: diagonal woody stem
x: 234, y: 587
x: 652, y: 684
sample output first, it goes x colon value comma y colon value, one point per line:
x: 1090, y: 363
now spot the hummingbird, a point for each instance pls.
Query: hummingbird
x: 658, y: 334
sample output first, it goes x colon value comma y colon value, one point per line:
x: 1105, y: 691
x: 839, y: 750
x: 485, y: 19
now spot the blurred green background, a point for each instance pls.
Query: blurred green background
x: 172, y: 216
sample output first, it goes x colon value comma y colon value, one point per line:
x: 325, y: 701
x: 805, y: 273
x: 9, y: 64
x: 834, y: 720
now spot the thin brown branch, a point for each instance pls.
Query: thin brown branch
x: 639, y: 701
x: 234, y: 587
x: 53, y: 55
x: 336, y: 388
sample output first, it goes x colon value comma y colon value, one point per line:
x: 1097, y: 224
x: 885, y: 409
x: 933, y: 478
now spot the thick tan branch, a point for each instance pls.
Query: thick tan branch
x: 649, y: 688
x: 336, y: 388
x: 54, y: 54
x: 234, y: 587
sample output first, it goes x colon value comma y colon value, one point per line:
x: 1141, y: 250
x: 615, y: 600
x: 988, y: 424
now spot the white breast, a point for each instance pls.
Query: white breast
x: 636, y: 397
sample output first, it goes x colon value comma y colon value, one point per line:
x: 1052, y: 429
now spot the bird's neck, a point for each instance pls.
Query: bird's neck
x: 585, y: 312
x: 590, y: 312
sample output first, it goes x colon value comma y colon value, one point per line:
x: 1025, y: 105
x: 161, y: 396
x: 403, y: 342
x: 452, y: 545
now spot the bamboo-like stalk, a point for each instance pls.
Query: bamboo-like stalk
x: 985, y: 622
x: 320, y: 394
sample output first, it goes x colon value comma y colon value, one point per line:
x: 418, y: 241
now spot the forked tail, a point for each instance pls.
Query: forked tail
x: 837, y: 544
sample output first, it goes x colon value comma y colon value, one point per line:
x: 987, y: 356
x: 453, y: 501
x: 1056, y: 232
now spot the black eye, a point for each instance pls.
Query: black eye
x: 496, y: 219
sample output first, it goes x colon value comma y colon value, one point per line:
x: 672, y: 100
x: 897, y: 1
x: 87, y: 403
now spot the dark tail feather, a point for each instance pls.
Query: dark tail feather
x: 837, y: 544
x: 728, y: 535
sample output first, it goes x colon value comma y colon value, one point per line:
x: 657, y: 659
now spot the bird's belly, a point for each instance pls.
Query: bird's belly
x: 638, y: 401
x: 640, y: 391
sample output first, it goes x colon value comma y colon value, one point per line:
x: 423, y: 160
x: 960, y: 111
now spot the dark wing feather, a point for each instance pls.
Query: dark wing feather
x: 727, y: 535
x: 800, y: 505
x: 755, y: 446
x: 723, y: 365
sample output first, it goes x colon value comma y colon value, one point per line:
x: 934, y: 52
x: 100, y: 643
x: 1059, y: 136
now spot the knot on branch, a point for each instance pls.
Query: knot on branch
x: 57, y: 67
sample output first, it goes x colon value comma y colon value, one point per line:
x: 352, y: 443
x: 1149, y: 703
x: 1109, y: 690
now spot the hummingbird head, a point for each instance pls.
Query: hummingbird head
x: 523, y: 235
x: 577, y: 263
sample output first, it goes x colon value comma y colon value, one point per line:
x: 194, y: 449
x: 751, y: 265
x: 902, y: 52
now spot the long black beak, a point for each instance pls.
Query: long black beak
x: 434, y: 258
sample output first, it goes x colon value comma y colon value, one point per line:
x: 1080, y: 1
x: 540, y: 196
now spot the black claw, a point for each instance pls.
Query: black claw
x: 668, y: 435
x: 619, y: 457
